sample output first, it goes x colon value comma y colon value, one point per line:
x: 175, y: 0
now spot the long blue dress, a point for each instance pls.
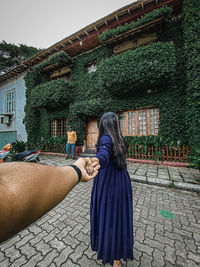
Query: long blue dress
x: 111, y: 208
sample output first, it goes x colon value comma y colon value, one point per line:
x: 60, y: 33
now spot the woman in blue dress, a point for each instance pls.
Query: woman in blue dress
x: 111, y: 200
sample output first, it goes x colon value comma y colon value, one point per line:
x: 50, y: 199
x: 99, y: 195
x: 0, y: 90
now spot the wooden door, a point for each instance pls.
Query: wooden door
x: 92, y: 134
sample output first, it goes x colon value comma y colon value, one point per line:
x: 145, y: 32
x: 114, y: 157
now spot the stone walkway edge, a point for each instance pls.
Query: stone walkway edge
x: 150, y: 180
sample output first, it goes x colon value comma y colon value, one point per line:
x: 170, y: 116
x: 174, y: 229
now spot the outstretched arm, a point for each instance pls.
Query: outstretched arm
x: 28, y: 191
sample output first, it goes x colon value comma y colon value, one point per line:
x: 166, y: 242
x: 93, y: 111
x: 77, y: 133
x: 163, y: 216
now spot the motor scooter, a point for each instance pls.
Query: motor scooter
x: 27, y: 155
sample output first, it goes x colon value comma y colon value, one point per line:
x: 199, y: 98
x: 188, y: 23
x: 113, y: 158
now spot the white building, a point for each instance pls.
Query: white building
x: 12, y: 101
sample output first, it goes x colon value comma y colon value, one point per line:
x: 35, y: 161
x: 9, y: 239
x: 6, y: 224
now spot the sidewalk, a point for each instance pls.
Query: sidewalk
x: 61, y: 238
x: 167, y: 176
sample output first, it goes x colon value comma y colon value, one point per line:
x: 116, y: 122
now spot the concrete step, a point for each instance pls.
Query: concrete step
x: 87, y: 155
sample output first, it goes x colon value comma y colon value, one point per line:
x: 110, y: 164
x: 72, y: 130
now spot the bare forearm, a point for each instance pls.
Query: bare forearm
x: 29, y: 193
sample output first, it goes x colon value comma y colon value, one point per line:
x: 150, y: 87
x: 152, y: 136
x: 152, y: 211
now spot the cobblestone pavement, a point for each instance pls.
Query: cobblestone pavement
x: 62, y: 236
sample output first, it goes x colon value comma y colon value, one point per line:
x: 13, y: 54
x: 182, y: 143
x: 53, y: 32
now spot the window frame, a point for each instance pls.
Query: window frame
x: 11, y: 101
x: 54, y: 124
x: 126, y: 130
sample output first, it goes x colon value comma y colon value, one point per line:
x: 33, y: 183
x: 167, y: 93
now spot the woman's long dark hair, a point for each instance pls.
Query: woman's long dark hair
x: 109, y: 124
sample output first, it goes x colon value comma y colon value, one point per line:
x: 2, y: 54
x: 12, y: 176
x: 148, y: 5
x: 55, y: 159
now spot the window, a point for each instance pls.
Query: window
x: 92, y: 67
x: 10, y: 101
x: 140, y: 122
x: 58, y: 127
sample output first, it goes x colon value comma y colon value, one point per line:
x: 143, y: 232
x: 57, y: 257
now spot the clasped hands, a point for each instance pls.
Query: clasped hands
x: 89, y: 168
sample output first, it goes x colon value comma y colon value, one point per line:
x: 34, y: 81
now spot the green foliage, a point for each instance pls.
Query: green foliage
x: 195, y: 160
x: 38, y: 75
x: 19, y: 146
x: 12, y: 55
x: 156, y: 13
x: 61, y: 59
x: 54, y: 144
x: 191, y: 35
x: 149, y: 66
x: 52, y: 94
x: 120, y: 84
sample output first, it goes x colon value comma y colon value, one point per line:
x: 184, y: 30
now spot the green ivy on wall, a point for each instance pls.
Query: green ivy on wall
x: 52, y: 94
x: 191, y: 36
x: 119, y: 85
x: 156, y: 13
x: 149, y: 66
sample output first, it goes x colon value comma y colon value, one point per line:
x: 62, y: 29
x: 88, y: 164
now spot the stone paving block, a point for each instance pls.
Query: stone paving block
x: 180, y: 249
x: 146, y: 260
x: 151, y: 174
x: 12, y: 253
x: 48, y: 259
x: 10, y: 242
x: 190, y: 245
x: 78, y: 252
x: 164, y: 177
x: 185, y: 262
x: 173, y: 236
x: 170, y: 254
x: 35, y: 229
x: 19, y: 262
x: 65, y: 231
x: 187, y: 186
x: 84, y: 261
x: 57, y: 244
x: 152, y: 243
x: 158, y: 258
x: 83, y: 238
x: 143, y: 247
x: 71, y: 241
x: 176, y: 178
x: 76, y: 230
x: 46, y: 227
x: 69, y: 263
x: 42, y: 247
x: 5, y: 263
x: 160, y: 182
x: 51, y: 235
x: 33, y: 261
x: 190, y: 180
x: 140, y: 235
x: 137, y: 178
x: 89, y: 253
x: 150, y: 232
x: 63, y: 256
x: 28, y: 250
x: 164, y: 240
x: 159, y: 229
x: 38, y: 237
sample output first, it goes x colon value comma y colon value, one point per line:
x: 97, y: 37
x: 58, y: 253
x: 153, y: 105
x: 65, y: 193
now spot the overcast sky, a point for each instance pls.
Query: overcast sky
x: 41, y: 23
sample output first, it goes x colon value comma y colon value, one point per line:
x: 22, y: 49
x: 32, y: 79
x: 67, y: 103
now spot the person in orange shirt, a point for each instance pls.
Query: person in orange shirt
x: 71, y: 140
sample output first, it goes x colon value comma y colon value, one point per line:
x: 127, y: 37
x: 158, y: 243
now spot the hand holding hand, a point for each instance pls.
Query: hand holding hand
x: 88, y: 168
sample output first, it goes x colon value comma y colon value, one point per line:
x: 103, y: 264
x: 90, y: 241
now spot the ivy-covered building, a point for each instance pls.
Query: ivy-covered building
x: 140, y: 62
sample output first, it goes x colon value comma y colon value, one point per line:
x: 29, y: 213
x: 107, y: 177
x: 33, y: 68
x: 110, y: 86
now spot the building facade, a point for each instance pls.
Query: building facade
x: 12, y: 102
x: 135, y: 62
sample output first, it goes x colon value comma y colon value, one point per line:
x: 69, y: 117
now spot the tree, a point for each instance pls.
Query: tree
x: 12, y: 55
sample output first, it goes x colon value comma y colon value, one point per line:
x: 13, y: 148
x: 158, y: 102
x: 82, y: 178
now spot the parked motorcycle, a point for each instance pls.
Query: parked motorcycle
x: 27, y: 155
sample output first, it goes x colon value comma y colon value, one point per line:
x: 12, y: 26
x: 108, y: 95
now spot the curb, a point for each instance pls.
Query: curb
x: 165, y: 183
x: 165, y: 163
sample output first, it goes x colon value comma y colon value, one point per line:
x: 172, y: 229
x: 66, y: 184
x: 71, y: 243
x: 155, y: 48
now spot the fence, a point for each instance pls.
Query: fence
x: 163, y: 153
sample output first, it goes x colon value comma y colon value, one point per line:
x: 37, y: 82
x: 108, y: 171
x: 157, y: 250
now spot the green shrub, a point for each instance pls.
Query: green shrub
x: 150, y: 66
